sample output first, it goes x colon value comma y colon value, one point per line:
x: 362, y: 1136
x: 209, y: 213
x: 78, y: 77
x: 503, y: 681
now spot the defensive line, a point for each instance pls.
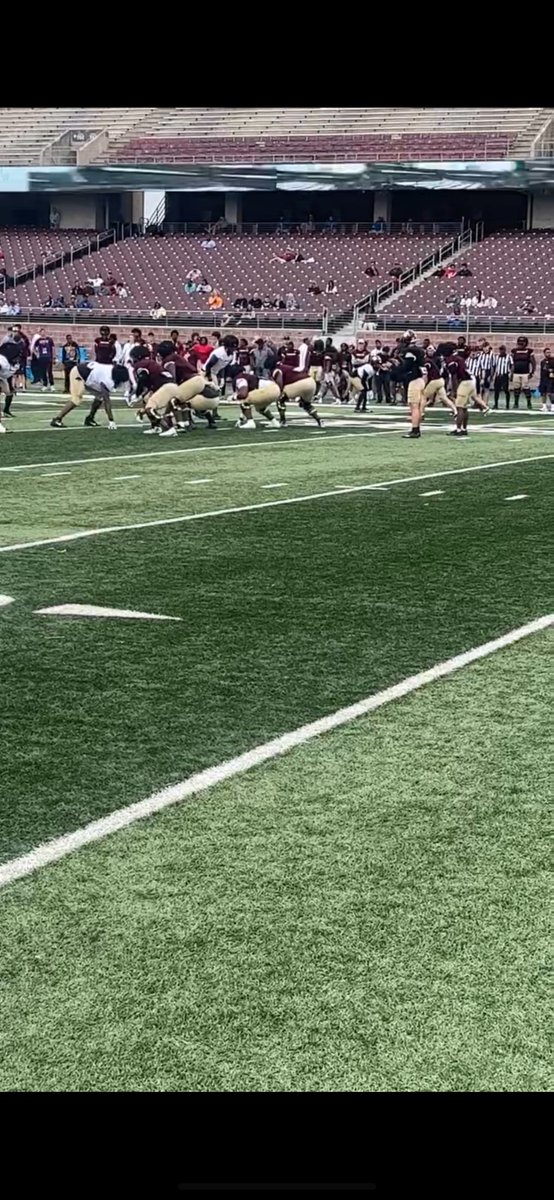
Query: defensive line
x: 226, y: 512
x: 60, y: 847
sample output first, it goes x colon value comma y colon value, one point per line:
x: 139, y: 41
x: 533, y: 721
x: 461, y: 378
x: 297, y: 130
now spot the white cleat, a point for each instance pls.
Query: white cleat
x: 169, y: 433
x: 275, y: 424
x: 2, y: 428
x: 139, y: 419
x: 152, y: 429
x: 112, y: 426
x: 251, y: 424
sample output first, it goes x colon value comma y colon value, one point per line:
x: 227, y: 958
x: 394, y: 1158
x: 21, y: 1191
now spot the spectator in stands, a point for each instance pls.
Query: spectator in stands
x: 314, y: 289
x: 83, y: 302
x: 158, y: 312
x: 330, y: 288
x: 379, y: 226
x: 121, y: 291
x: 204, y: 286
x: 190, y: 287
x: 409, y: 226
x: 490, y: 302
x: 240, y: 302
x: 96, y: 282
x: 372, y: 269
x: 70, y: 359
x: 255, y: 301
x: 194, y: 275
x: 59, y: 302
x: 215, y: 300
x: 527, y: 306
x: 48, y: 303
x: 395, y: 273
x: 208, y: 244
x: 464, y: 271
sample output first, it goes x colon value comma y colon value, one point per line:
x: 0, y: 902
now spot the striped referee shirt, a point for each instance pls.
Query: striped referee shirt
x: 485, y: 363
x: 504, y: 364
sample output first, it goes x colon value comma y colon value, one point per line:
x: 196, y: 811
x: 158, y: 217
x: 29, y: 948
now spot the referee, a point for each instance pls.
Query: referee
x: 484, y: 370
x: 503, y: 371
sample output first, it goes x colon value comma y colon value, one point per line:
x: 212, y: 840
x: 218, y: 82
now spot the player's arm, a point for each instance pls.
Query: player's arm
x: 210, y: 363
x: 532, y: 365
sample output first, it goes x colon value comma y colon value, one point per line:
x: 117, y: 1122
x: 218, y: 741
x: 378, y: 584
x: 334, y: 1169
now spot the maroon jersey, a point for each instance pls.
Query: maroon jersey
x: 434, y: 371
x: 104, y: 350
x: 250, y: 380
x: 151, y: 375
x: 456, y: 365
x: 183, y: 368
x: 522, y: 360
x: 289, y: 374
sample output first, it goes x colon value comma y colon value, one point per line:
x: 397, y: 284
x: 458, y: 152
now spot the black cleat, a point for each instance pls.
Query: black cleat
x: 9, y: 414
x: 90, y: 421
x: 414, y: 433
x: 57, y: 424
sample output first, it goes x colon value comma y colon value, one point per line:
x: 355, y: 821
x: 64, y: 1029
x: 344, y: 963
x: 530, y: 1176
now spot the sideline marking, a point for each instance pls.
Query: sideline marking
x: 60, y: 847
x: 226, y: 512
x: 94, y: 610
x: 54, y: 474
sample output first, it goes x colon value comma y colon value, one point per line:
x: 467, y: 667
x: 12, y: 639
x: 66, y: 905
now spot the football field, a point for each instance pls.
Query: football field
x: 191, y: 900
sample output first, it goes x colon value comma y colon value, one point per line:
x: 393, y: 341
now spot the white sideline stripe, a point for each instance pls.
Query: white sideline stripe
x: 121, y: 478
x: 438, y: 493
x: 226, y: 512
x: 79, y: 462
x: 54, y: 474
x: 4, y: 600
x: 198, y: 481
x: 57, y: 848
x: 94, y: 610
x: 520, y: 496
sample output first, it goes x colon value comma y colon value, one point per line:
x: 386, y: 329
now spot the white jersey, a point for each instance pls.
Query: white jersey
x: 6, y: 368
x: 126, y: 353
x: 218, y: 360
x: 100, y: 374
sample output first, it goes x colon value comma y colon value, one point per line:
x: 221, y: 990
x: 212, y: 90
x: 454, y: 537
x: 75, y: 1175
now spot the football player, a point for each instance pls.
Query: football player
x: 259, y: 394
x: 295, y: 385
x: 10, y: 355
x: 99, y: 380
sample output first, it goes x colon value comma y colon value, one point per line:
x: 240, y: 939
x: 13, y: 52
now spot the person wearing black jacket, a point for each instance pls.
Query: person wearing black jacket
x: 70, y: 359
x: 410, y: 373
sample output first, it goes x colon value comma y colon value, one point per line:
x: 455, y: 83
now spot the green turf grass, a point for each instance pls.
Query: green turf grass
x: 289, y: 613
x: 368, y: 913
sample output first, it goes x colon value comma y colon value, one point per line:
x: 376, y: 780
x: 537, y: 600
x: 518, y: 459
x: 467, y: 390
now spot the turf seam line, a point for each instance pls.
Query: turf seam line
x: 60, y: 847
x: 244, y: 508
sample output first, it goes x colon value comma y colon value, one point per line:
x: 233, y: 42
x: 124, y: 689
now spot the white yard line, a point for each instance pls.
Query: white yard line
x: 95, y: 610
x: 122, y: 478
x: 437, y: 493
x: 265, y: 504
x: 5, y: 600
x: 121, y: 818
x: 79, y: 462
x: 226, y: 512
x: 520, y: 496
x: 54, y: 474
x: 197, y: 481
x: 267, y: 486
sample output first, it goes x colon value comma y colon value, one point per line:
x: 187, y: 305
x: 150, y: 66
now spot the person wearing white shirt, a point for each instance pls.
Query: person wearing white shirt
x: 158, y: 311
x: 99, y: 380
x: 126, y: 359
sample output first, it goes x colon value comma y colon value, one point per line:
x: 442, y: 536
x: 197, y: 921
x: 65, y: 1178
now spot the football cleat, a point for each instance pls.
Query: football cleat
x: 57, y: 424
x: 112, y: 425
x: 2, y: 428
x: 169, y: 433
x: 152, y: 429
x: 251, y: 424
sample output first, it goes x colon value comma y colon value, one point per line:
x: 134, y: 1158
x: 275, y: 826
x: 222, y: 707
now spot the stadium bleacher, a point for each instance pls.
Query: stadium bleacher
x: 509, y: 266
x: 155, y: 268
x: 154, y: 134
